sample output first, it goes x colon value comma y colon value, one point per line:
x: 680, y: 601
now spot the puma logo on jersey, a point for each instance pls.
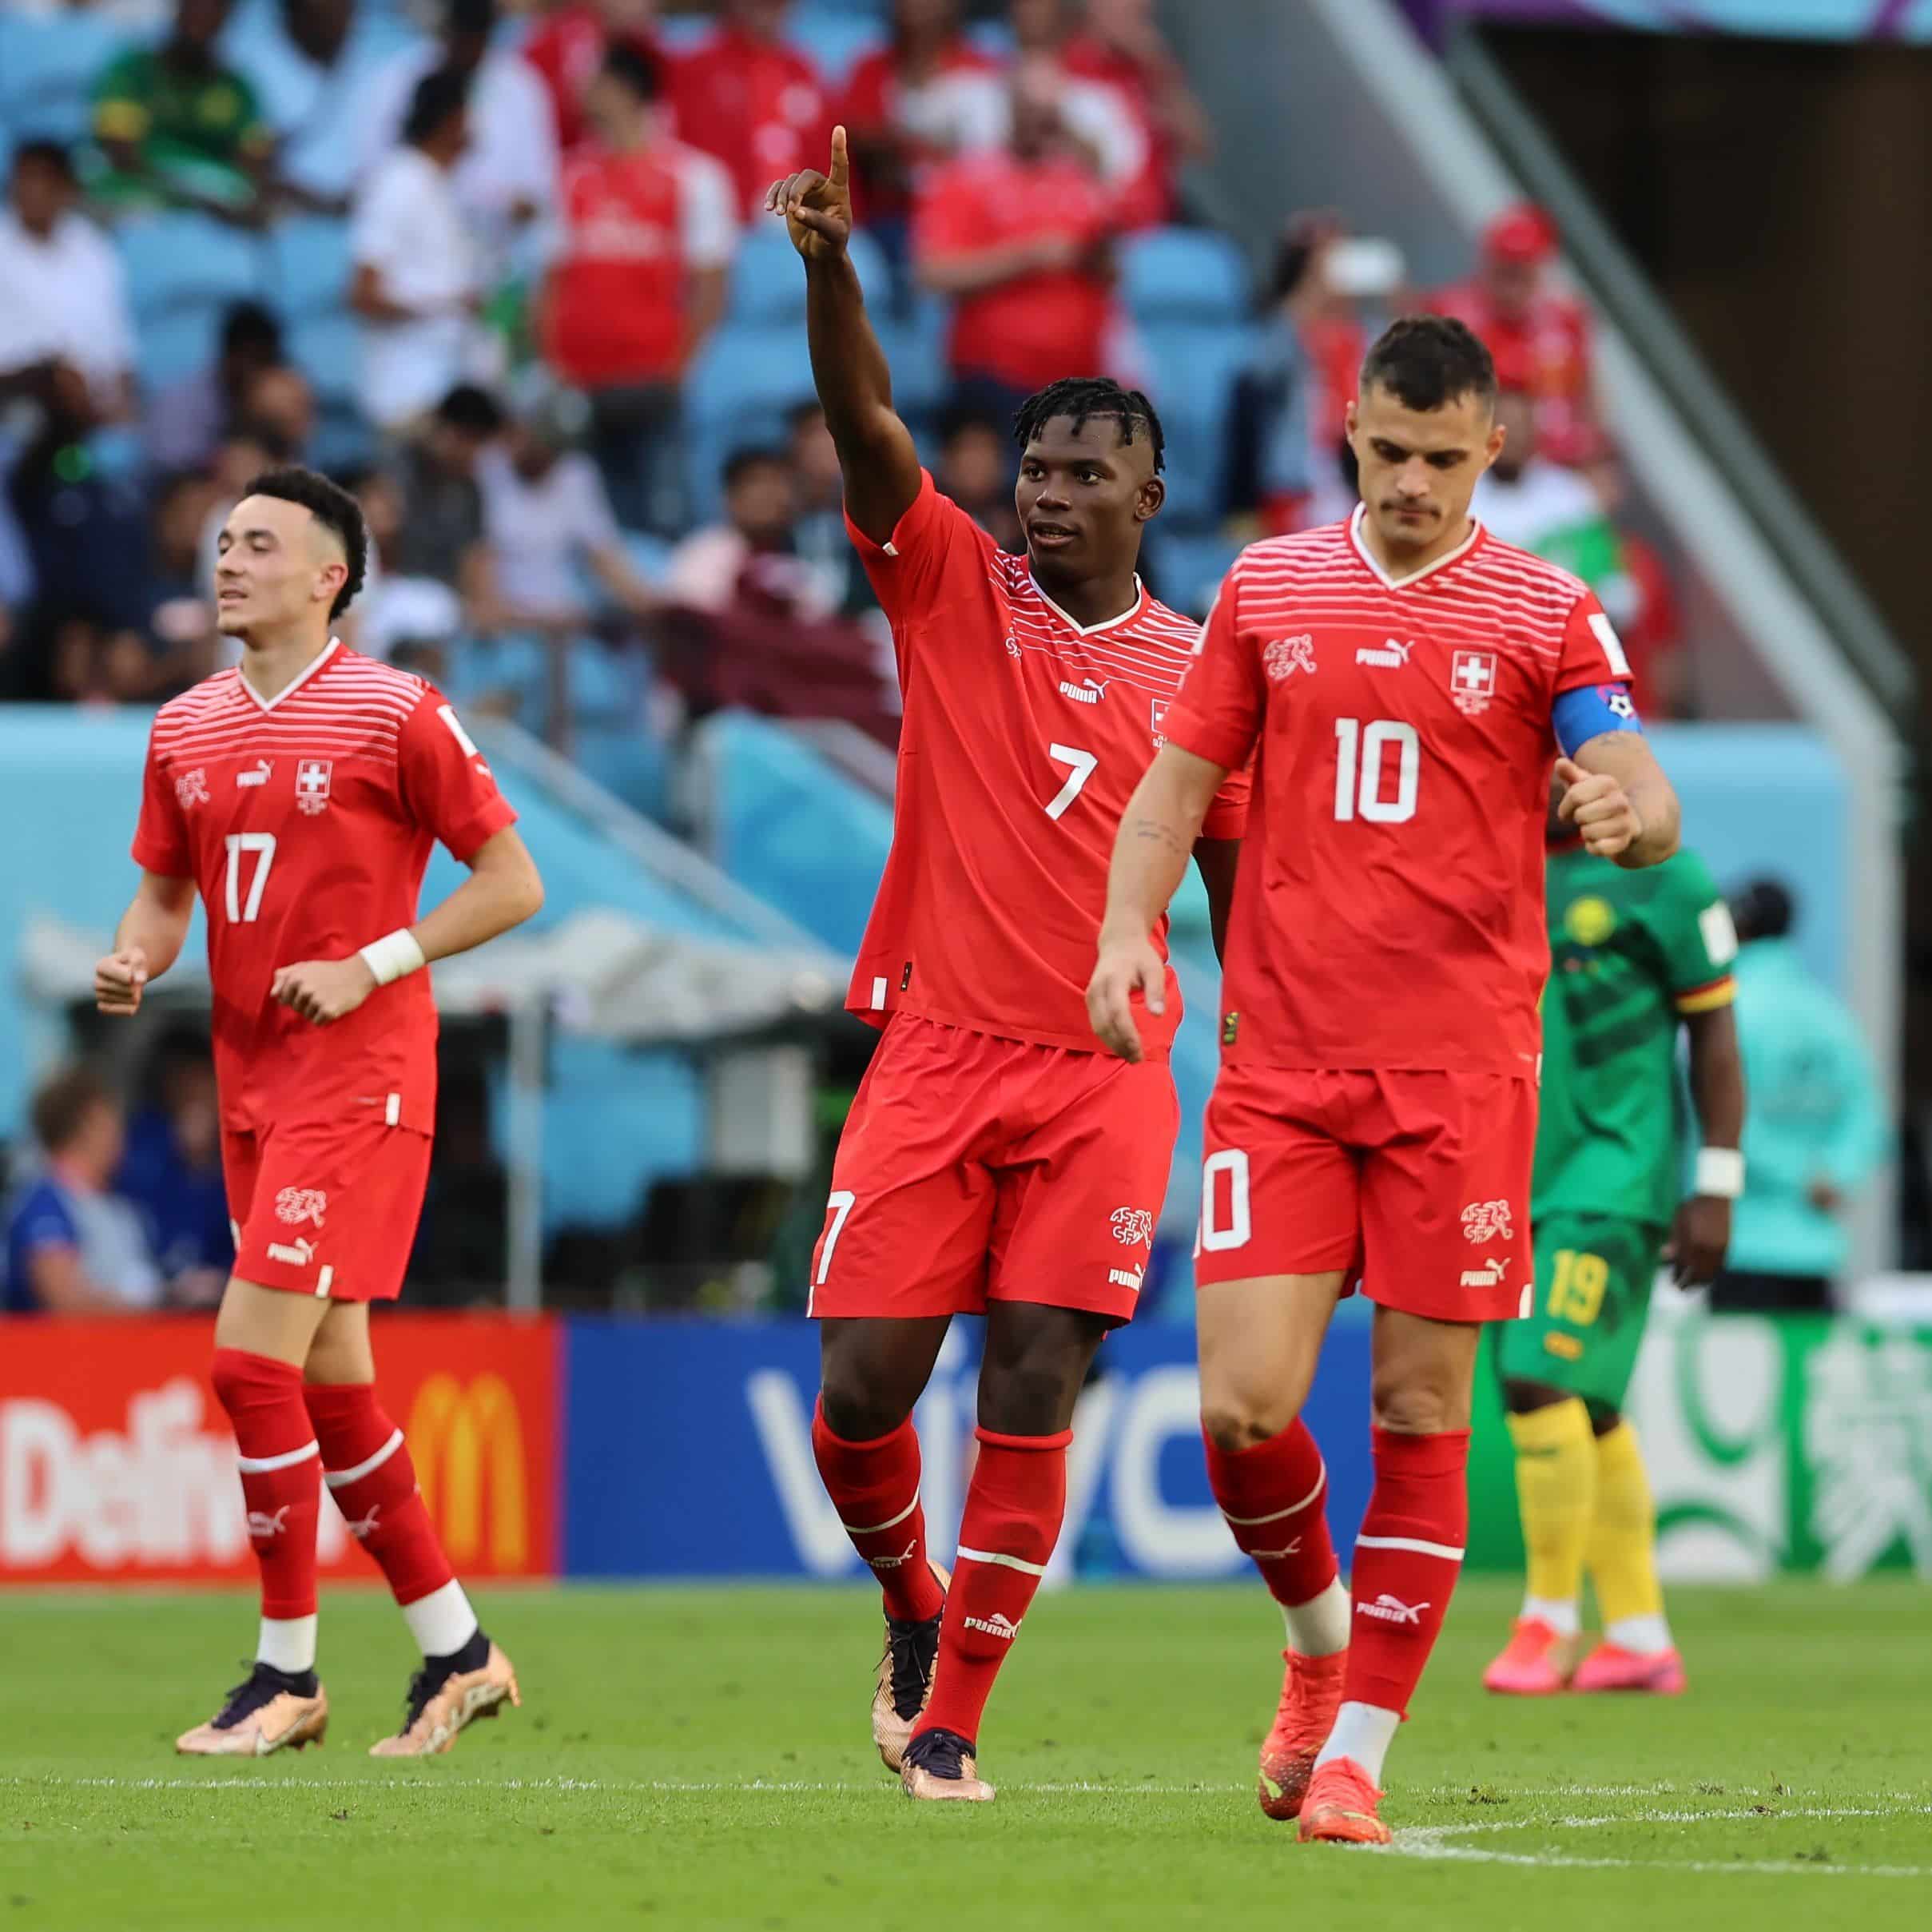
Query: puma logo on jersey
x: 1090, y: 692
x: 299, y: 1255
x: 1489, y: 1275
x: 1125, y: 1277
x: 1392, y: 656
x: 258, y: 776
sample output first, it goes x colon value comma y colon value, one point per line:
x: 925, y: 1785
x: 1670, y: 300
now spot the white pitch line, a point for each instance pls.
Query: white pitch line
x: 1430, y: 1842
x: 270, y: 1782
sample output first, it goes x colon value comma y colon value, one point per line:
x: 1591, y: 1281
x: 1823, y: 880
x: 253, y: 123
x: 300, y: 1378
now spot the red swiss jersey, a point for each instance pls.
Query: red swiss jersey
x: 1389, y: 910
x: 756, y: 105
x: 636, y: 226
x: 1024, y: 737
x: 567, y: 50
x: 1545, y: 353
x: 306, y: 820
x: 1039, y: 327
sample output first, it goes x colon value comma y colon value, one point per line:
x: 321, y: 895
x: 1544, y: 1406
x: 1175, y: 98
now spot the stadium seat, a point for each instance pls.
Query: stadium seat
x: 1195, y: 370
x: 308, y: 265
x: 1184, y: 275
x: 176, y: 261
x: 768, y: 280
x: 168, y: 348
x: 738, y: 393
x: 835, y: 39
x: 328, y: 349
x: 48, y: 68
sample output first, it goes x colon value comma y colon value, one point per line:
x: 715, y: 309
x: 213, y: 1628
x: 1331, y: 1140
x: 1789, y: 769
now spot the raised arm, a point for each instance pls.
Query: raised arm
x: 1160, y: 828
x: 848, y: 367
x: 1615, y: 794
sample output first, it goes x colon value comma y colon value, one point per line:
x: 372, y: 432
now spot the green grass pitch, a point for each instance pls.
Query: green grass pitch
x: 700, y: 1758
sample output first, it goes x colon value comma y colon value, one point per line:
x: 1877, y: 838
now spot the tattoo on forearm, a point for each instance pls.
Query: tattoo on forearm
x: 1152, y: 829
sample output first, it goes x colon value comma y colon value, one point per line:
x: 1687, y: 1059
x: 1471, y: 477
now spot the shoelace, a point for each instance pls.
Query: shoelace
x: 423, y: 1687
x: 263, y: 1685
x: 913, y: 1648
x: 940, y: 1753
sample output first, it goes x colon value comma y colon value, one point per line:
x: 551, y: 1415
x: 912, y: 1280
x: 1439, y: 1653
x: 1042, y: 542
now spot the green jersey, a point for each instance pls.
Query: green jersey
x: 1631, y: 952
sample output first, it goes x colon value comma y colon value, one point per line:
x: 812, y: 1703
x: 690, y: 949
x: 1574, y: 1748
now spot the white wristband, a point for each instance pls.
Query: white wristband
x: 1720, y: 1174
x: 393, y: 955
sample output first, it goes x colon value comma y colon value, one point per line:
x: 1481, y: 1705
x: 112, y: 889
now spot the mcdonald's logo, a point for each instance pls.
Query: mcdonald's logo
x: 468, y: 1442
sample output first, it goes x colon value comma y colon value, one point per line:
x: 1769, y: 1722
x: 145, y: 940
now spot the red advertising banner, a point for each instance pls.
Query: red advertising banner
x: 117, y: 1463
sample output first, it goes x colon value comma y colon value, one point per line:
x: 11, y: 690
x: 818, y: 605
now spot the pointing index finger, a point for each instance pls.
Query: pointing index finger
x: 842, y: 163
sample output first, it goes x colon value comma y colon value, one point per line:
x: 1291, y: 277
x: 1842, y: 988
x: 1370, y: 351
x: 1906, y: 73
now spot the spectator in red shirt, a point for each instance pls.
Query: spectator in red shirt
x: 649, y: 226
x: 568, y: 50
x: 1539, y: 340
x: 919, y: 99
x: 1121, y: 48
x: 1018, y: 238
x: 751, y: 100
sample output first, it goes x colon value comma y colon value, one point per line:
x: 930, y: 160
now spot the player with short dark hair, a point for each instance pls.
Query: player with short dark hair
x: 299, y: 794
x: 993, y: 1163
x: 1402, y: 682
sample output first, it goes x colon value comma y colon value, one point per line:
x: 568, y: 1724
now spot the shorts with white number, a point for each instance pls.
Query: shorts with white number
x: 1414, y: 1185
x: 974, y: 1169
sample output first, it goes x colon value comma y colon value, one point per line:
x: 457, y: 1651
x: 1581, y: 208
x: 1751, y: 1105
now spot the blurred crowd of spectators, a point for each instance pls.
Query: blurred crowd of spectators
x: 540, y: 216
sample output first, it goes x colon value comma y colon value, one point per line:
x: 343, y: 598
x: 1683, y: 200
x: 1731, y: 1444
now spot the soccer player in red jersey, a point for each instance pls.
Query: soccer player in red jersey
x: 299, y: 794
x: 994, y: 1161
x: 1402, y: 682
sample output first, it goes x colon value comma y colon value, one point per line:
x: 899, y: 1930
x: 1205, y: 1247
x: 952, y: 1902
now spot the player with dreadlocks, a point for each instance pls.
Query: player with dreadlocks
x: 995, y: 1162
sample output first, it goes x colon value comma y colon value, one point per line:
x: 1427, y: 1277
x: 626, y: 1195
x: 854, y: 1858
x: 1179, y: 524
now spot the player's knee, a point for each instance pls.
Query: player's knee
x: 1418, y: 1407
x: 1234, y: 1420
x: 855, y: 1412
x: 1027, y: 1398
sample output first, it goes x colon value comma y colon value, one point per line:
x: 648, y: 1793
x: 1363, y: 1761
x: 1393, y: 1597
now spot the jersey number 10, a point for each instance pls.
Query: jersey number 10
x: 1361, y: 761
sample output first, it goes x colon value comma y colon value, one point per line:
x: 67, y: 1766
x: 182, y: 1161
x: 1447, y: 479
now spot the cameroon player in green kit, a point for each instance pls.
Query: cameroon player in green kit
x: 1635, y: 955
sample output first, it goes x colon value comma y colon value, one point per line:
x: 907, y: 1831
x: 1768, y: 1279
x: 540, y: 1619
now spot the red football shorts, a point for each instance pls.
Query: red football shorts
x: 325, y: 1206
x: 974, y: 1169
x: 1418, y: 1182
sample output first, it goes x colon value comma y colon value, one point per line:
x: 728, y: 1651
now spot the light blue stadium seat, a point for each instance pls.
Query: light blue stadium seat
x: 169, y: 347
x: 738, y: 393
x: 181, y: 260
x: 1189, y: 565
x: 768, y: 279
x: 308, y: 265
x: 629, y: 762
x: 328, y: 349
x: 651, y: 557
x: 1194, y: 369
x: 1184, y: 275
x: 835, y: 38
x: 48, y: 68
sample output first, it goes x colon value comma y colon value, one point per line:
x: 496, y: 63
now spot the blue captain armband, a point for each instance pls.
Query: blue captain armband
x: 1591, y: 710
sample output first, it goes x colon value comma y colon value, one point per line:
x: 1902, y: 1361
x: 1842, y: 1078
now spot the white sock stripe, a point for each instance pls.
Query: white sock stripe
x: 1005, y: 1562
x: 340, y: 1479
x: 862, y: 1530
x: 1444, y: 1550
x: 1248, y: 1522
x: 260, y: 1466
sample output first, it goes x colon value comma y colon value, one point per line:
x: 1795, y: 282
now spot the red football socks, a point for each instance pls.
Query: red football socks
x: 1274, y: 1496
x: 1014, y: 1505
x: 373, y: 1481
x: 280, y: 1475
x: 1407, y: 1560
x: 875, y: 1487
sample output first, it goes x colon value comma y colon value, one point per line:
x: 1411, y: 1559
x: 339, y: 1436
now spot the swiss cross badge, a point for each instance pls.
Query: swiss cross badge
x: 311, y: 784
x: 1159, y: 718
x: 1472, y: 681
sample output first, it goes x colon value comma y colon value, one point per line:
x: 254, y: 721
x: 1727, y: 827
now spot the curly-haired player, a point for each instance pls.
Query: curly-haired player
x: 299, y: 794
x: 995, y: 1162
